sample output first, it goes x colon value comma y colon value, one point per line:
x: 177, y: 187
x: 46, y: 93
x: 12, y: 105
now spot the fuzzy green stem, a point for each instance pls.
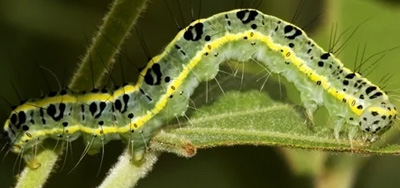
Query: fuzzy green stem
x: 37, y: 177
x: 107, y: 42
x: 126, y: 174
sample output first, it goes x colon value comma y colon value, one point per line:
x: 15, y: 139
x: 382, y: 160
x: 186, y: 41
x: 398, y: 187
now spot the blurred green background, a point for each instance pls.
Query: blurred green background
x: 55, y: 34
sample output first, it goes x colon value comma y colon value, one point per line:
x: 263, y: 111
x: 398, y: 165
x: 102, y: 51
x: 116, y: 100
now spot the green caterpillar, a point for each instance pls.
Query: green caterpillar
x: 134, y: 113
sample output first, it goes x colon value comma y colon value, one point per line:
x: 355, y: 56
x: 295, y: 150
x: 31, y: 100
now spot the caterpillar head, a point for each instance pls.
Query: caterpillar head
x: 18, y: 129
x: 12, y: 133
x: 376, y: 119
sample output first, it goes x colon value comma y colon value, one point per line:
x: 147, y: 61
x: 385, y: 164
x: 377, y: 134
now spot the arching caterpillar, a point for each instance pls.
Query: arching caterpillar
x: 134, y: 113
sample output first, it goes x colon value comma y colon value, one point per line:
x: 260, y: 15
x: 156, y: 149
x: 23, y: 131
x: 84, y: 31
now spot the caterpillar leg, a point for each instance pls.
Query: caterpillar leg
x: 311, y: 107
x: 351, y: 135
x: 138, y: 156
x: 338, y: 123
x: 31, y: 162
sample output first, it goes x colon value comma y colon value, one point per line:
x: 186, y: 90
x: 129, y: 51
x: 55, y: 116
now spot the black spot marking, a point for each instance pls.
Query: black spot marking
x: 177, y: 47
x: 309, y: 50
x: 351, y: 119
x: 344, y: 100
x: 383, y: 117
x: 350, y: 76
x: 318, y: 82
x: 359, y: 107
x: 289, y: 28
x: 130, y: 115
x: 167, y: 79
x: 325, y: 55
x: 194, y: 32
x: 148, y: 78
x: 13, y: 119
x: 41, y: 113
x: 157, y: 70
x: 345, y: 82
x: 361, y: 96
x: 254, y: 26
x: 377, y: 129
x: 374, y: 113
x: 118, y: 105
x: 377, y: 94
x: 370, y: 89
x: 25, y: 127
x: 207, y: 38
x: 51, y: 111
x: 102, y: 106
x: 320, y: 63
x: 291, y: 45
x: 101, y: 122
x: 93, y: 108
x: 376, y: 122
x: 125, y: 98
x: 21, y: 119
x: 246, y: 16
x: 65, y: 124
x: 367, y: 129
x: 144, y: 93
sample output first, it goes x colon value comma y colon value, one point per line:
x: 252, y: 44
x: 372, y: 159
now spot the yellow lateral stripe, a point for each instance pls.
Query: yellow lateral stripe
x: 45, y: 102
x: 94, y: 97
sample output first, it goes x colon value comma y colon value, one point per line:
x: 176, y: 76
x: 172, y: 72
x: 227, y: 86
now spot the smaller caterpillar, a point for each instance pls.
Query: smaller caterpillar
x: 135, y: 112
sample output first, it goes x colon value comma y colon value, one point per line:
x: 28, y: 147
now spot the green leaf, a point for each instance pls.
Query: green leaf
x: 252, y: 118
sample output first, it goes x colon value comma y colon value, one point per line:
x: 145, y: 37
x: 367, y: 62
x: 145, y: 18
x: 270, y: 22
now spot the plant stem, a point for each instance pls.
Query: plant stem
x: 125, y: 173
x: 106, y: 44
x: 37, y: 177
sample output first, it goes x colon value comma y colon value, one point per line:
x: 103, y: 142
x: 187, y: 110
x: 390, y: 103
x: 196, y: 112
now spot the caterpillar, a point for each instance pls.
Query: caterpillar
x: 135, y: 112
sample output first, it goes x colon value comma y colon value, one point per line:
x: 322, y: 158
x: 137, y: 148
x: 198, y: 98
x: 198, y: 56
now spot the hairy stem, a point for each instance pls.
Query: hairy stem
x: 125, y: 173
x: 106, y: 44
